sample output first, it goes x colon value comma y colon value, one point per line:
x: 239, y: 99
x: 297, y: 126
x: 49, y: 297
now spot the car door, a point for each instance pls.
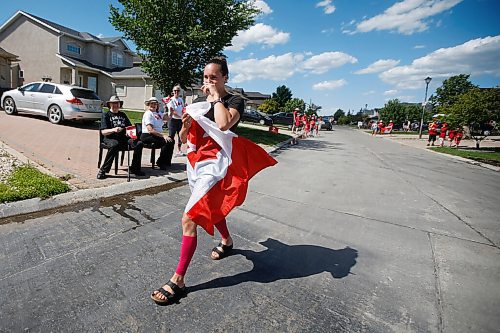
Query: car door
x: 42, y: 98
x: 24, y: 100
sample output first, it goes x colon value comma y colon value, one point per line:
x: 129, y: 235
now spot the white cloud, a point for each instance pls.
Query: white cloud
x: 258, y: 34
x: 262, y: 6
x: 419, y: 47
x: 272, y: 68
x: 323, y: 62
x: 281, y: 67
x: 407, y: 16
x: 476, y: 57
x: 371, y: 92
x: 378, y: 66
x: 329, y: 85
x: 390, y: 92
x: 329, y: 7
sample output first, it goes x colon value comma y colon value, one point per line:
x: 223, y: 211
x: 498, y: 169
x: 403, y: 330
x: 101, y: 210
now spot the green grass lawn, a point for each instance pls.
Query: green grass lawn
x: 490, y: 155
x: 27, y: 182
x: 261, y: 136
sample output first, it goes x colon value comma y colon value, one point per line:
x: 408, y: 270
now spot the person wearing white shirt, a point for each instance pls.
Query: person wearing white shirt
x: 152, y: 133
x: 175, y: 107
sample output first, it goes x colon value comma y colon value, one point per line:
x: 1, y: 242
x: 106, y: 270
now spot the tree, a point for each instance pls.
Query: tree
x: 269, y: 106
x: 339, y: 113
x: 177, y: 38
x: 294, y: 103
x: 449, y: 91
x: 477, y: 109
x: 313, y: 109
x: 282, y: 95
x: 401, y: 112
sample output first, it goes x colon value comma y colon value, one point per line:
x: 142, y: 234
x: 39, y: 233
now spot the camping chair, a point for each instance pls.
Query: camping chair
x: 103, y: 146
x: 138, y: 131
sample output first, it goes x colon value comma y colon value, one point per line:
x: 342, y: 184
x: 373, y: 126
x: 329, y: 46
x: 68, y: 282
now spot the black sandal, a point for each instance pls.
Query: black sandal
x: 170, y: 298
x: 226, y: 250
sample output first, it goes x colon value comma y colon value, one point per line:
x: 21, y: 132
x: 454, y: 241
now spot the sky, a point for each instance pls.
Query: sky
x: 347, y: 54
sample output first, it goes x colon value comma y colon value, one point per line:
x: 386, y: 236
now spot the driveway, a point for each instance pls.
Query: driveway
x: 68, y: 149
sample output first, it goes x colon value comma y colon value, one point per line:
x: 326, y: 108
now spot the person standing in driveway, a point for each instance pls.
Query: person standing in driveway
x: 113, y: 125
x: 175, y: 107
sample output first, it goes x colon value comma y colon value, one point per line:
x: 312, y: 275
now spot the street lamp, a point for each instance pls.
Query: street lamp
x: 427, y: 81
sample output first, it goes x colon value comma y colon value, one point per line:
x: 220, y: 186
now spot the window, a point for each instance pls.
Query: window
x: 31, y: 87
x: 92, y: 83
x: 73, y: 48
x: 47, y: 88
x: 21, y: 74
x: 84, y: 93
x: 121, y: 90
x: 116, y: 58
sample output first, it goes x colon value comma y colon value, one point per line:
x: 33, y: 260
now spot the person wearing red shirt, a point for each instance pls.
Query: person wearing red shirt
x: 442, y: 134
x: 432, y: 133
x: 312, y: 125
x: 451, y: 136
x: 458, y: 136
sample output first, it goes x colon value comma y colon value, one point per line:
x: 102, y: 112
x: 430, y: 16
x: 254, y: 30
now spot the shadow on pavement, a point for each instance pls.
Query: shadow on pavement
x: 282, y: 262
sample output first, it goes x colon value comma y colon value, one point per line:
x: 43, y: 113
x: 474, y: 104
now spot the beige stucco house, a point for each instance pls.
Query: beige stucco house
x: 49, y: 51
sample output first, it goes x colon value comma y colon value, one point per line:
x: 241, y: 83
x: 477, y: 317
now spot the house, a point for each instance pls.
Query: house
x: 52, y: 52
x: 7, y: 80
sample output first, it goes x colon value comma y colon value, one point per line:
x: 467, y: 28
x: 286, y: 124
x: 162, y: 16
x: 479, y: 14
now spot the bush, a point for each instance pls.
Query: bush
x: 27, y: 182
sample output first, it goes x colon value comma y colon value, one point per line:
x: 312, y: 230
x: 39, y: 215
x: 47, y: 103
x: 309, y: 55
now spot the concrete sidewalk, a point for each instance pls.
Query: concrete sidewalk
x: 414, y: 141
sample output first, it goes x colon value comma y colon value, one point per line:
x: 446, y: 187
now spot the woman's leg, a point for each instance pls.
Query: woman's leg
x: 226, y: 237
x: 188, y: 247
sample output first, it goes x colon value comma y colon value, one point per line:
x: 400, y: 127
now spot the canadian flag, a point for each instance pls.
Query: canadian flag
x: 220, y: 164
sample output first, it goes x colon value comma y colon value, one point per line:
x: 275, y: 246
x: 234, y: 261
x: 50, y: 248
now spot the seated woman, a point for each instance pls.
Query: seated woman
x: 113, y: 126
x: 152, y: 133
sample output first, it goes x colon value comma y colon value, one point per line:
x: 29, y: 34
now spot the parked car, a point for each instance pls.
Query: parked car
x: 326, y: 125
x: 283, y: 118
x: 254, y: 116
x: 58, y: 102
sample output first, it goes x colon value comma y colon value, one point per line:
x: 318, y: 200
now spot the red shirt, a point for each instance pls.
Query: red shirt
x: 433, y: 129
x: 442, y: 134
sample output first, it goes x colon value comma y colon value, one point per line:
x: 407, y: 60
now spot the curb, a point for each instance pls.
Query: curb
x: 37, y: 205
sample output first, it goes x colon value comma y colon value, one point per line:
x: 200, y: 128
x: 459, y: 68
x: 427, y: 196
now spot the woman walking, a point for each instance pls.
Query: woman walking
x: 218, y: 184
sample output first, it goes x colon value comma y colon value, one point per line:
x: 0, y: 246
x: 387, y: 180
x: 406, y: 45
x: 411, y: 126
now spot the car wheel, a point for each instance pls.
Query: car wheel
x: 55, y: 114
x: 9, y: 106
x: 262, y: 122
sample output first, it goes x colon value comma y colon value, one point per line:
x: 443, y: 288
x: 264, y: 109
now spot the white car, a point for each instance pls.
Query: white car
x: 58, y: 102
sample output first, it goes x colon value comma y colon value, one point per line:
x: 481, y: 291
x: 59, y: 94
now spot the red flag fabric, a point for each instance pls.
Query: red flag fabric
x: 220, y: 164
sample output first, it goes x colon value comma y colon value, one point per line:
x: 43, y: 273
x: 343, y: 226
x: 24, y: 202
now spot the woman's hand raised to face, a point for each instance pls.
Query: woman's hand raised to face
x: 186, y: 121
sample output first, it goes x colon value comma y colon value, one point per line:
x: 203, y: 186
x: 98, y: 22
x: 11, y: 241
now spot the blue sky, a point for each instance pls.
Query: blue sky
x: 337, y: 53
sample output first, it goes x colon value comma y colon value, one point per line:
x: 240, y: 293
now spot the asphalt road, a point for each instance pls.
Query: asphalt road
x: 348, y: 233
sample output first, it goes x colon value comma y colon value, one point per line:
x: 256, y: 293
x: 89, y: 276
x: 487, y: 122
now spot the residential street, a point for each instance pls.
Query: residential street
x: 347, y: 233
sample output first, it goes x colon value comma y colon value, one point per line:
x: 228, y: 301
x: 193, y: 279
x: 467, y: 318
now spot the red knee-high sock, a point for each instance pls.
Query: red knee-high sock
x: 188, y: 247
x: 222, y: 228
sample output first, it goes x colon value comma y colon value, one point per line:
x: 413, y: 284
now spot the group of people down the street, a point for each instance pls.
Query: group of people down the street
x: 116, y: 138
x: 440, y: 131
x: 306, y: 125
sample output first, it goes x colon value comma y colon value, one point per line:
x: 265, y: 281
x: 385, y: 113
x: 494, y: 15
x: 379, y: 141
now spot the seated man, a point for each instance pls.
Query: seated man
x: 113, y: 126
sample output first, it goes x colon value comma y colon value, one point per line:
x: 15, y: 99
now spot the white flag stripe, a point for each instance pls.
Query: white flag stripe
x: 205, y: 174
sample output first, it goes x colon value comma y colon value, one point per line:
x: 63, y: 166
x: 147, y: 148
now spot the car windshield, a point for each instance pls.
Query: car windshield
x: 84, y: 93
